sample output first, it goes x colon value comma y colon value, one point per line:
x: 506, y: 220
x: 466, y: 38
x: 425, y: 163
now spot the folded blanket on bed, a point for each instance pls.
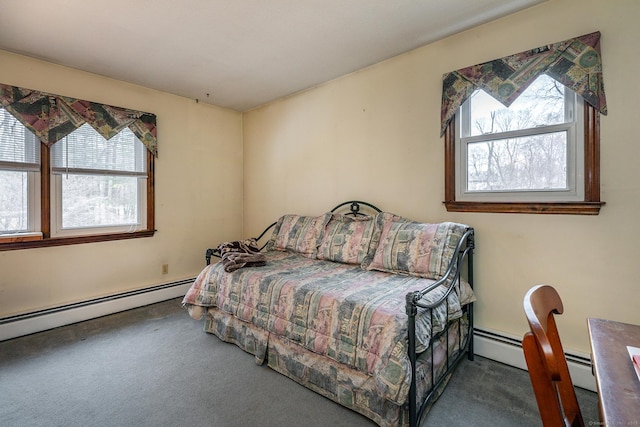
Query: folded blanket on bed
x: 240, y: 253
x: 233, y: 261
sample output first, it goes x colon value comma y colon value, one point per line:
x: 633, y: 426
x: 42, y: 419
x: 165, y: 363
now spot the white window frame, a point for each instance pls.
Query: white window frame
x: 574, y: 126
x: 57, y: 175
x: 33, y: 228
x: 33, y: 200
x: 57, y: 230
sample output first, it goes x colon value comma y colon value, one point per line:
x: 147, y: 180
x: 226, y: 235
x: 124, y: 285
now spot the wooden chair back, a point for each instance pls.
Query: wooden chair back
x: 546, y: 362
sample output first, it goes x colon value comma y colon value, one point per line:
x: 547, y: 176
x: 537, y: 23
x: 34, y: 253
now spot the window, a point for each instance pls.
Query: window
x: 527, y: 152
x: 538, y: 155
x: 82, y: 189
x: 98, y: 186
x: 19, y: 178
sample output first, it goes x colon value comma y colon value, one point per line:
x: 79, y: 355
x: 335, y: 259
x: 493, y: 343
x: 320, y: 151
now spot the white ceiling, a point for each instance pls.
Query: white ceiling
x: 237, y: 54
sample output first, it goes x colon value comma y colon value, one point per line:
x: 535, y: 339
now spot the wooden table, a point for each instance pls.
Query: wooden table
x: 617, y: 382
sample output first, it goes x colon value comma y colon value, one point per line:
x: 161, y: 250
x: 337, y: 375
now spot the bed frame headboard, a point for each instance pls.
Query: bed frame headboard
x: 355, y: 207
x: 354, y: 211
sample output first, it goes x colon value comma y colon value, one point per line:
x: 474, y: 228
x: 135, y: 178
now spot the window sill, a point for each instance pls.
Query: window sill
x: 16, y: 243
x: 568, y: 208
x: 19, y: 237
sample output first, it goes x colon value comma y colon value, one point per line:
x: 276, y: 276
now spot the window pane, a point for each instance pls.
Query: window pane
x: 541, y: 104
x: 17, y: 143
x: 14, y: 214
x: 85, y: 148
x: 94, y: 201
x: 527, y: 163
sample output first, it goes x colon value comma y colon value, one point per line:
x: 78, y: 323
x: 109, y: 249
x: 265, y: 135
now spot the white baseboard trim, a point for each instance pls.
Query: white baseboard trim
x: 42, y: 320
x: 508, y: 350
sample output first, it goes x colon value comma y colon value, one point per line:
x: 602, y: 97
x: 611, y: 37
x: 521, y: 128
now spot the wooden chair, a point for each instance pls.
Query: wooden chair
x: 545, y: 358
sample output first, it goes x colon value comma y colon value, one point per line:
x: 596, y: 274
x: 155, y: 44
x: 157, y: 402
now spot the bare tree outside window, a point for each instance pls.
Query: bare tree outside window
x: 515, y: 160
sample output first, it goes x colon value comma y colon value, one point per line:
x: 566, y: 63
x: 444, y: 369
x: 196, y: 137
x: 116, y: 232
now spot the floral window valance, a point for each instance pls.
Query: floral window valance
x: 576, y: 63
x: 52, y: 117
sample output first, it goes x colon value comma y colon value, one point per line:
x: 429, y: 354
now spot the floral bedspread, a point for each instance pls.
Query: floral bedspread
x: 340, y: 311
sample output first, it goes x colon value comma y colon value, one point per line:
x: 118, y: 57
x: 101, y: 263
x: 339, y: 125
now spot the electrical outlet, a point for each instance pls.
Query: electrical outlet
x: 165, y: 268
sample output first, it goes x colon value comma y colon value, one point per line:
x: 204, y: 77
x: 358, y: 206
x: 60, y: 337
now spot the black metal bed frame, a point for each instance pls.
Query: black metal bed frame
x: 463, y: 253
x: 354, y: 210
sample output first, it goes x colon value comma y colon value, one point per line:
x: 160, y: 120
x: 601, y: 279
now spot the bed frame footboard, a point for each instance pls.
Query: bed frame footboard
x: 463, y: 253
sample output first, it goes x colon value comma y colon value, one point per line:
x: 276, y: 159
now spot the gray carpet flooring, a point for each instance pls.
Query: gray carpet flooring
x: 154, y: 366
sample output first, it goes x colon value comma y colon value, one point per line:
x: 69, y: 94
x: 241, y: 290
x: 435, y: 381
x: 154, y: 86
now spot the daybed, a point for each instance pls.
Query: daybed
x: 368, y: 310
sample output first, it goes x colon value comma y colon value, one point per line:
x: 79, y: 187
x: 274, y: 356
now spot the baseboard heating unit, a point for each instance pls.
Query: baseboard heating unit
x: 508, y: 350
x: 42, y: 320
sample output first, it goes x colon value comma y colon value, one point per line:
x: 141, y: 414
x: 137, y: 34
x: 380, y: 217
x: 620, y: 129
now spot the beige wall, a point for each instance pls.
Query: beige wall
x: 373, y: 135
x: 198, y: 196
